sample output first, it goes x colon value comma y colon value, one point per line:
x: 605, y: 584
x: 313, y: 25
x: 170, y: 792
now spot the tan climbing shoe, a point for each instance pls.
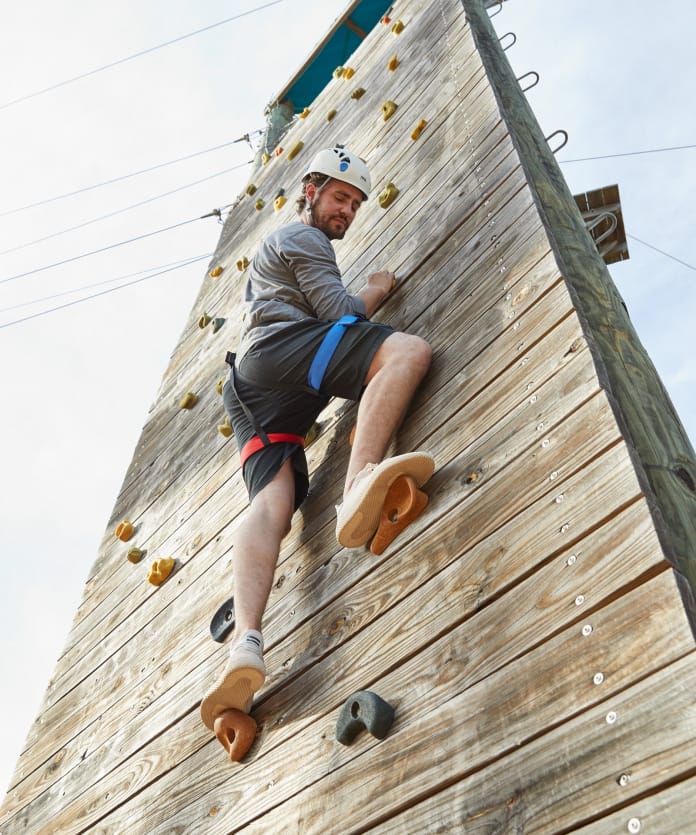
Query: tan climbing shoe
x: 358, y: 516
x: 243, y: 676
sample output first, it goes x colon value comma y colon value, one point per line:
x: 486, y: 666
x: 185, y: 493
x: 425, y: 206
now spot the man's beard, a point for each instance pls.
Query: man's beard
x: 324, y: 222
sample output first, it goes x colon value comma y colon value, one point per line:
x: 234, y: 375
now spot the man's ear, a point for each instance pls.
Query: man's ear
x: 310, y: 192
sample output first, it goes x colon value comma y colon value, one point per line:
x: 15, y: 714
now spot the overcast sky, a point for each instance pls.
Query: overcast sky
x: 77, y: 383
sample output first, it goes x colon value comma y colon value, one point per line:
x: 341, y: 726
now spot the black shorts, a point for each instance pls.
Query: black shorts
x: 271, y: 380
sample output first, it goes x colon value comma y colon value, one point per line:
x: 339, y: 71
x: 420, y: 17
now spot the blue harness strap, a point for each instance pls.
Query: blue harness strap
x: 326, y: 350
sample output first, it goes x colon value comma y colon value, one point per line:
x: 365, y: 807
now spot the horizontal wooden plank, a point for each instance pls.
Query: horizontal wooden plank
x: 464, y: 730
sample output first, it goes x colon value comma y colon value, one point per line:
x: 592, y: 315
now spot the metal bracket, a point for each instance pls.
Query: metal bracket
x: 534, y: 84
x: 563, y: 144
x: 507, y: 34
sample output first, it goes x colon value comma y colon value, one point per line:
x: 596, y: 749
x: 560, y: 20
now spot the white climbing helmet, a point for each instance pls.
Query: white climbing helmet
x: 341, y: 164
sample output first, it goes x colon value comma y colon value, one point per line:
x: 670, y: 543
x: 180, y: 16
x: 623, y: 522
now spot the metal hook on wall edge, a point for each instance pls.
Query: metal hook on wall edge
x: 500, y: 8
x: 533, y: 84
x: 563, y: 144
x: 597, y: 219
x: 506, y: 35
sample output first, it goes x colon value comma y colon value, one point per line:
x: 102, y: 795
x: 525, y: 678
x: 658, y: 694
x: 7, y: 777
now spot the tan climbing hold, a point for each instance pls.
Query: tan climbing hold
x: 398, y: 27
x: 216, y: 271
x: 387, y: 197
x: 295, y: 150
x: 265, y: 158
x: 338, y: 72
x: 235, y: 731
x: 388, y: 109
x: 188, y: 401
x: 405, y: 501
x: 251, y: 189
x: 418, y: 129
x: 160, y: 570
x: 312, y: 434
x: 135, y: 555
x: 392, y: 63
x: 225, y: 429
x: 204, y: 321
x: 220, y: 383
x: 260, y: 203
x: 242, y: 264
x: 358, y: 93
x: 124, y: 531
x: 330, y: 115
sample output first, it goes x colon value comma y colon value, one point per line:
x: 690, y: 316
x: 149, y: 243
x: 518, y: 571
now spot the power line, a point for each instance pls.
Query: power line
x: 102, y: 293
x: 121, y: 211
x: 178, y: 263
x: 215, y: 213
x: 136, y: 55
x: 662, y: 252
x: 244, y: 138
x: 630, y: 153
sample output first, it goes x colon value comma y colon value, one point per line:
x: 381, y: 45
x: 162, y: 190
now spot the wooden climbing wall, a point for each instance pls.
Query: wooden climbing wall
x: 526, y: 628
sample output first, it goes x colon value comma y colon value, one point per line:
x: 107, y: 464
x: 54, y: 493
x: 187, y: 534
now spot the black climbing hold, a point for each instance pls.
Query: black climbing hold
x: 364, y: 709
x: 223, y: 621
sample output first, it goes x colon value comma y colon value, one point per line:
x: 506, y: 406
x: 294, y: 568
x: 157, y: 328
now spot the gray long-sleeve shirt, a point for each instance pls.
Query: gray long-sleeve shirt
x: 294, y: 275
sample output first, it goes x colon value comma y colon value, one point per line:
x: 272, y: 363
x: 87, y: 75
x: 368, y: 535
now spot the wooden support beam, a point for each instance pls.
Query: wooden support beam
x: 661, y: 451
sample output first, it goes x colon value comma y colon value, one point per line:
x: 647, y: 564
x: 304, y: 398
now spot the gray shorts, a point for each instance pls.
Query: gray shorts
x: 271, y: 379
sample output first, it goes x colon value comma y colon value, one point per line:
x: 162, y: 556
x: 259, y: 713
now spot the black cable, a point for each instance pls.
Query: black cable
x: 105, y: 248
x: 178, y: 263
x: 136, y: 55
x: 120, y: 211
x: 126, y: 176
x: 662, y: 252
x: 96, y: 295
x: 630, y: 154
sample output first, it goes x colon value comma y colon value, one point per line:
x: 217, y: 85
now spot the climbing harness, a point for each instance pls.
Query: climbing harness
x: 326, y: 350
x: 315, y: 377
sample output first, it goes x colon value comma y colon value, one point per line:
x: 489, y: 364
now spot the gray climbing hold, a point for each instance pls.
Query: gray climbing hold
x: 364, y: 709
x: 223, y: 621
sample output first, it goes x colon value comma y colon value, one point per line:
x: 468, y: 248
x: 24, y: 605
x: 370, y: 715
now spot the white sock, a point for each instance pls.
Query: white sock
x: 252, y: 640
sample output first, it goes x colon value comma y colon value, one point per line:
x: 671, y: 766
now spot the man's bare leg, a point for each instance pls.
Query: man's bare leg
x: 396, y: 371
x: 257, y: 547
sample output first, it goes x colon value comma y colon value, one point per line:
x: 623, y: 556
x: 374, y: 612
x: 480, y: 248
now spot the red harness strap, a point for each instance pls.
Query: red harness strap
x: 255, y: 444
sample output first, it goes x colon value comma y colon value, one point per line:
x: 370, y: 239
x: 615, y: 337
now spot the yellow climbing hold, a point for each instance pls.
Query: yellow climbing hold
x: 225, y: 428
x: 160, y: 570
x: 188, y: 401
x: 338, y: 72
x: 305, y: 113
x: 220, y: 383
x: 260, y: 203
x: 312, y: 433
x: 330, y: 115
x: 204, y: 321
x: 397, y: 28
x: 265, y: 158
x: 388, y: 196
x: 135, y: 555
x: 358, y: 93
x: 125, y: 531
x: 216, y: 271
x: 348, y: 72
x: 392, y: 63
x: 295, y: 150
x: 250, y: 189
x: 279, y: 202
x: 388, y: 109
x: 418, y: 129
x: 242, y: 264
